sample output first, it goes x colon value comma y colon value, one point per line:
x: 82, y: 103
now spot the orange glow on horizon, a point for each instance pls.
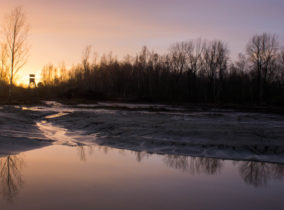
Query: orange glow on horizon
x: 61, y: 29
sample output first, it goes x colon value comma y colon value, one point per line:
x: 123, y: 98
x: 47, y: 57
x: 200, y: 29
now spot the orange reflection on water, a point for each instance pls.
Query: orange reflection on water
x: 93, y: 177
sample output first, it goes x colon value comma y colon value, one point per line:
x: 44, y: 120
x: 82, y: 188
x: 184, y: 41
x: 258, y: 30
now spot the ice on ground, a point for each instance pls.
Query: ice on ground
x: 153, y: 107
x: 221, y: 134
x: 18, y: 132
x: 217, y: 134
x: 58, y: 134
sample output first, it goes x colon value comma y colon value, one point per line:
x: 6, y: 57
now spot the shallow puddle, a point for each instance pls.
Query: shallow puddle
x: 93, y: 177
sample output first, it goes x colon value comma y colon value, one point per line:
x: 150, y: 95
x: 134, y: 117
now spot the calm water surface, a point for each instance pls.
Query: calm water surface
x: 61, y: 177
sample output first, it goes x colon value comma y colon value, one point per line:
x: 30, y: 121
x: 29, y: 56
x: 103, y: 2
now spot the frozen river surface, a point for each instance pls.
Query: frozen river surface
x: 121, y: 156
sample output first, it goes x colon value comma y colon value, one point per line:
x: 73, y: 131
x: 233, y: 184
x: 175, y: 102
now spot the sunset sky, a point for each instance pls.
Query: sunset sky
x: 60, y: 29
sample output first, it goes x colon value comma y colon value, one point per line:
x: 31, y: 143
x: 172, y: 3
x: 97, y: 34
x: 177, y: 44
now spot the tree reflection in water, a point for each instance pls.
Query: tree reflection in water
x: 11, y: 178
x: 258, y: 173
x: 195, y: 165
x: 82, y: 152
x: 141, y: 155
x: 253, y: 173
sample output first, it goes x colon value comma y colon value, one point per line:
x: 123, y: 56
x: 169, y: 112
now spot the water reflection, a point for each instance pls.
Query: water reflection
x: 195, y: 165
x: 81, y: 150
x: 141, y: 155
x: 82, y: 153
x: 253, y: 173
x: 258, y: 173
x: 11, y: 178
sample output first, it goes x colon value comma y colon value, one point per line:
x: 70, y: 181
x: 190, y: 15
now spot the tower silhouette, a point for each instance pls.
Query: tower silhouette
x: 32, y: 83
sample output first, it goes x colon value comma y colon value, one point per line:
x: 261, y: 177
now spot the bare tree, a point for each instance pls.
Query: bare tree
x: 3, y: 60
x: 262, y: 51
x: 281, y: 66
x: 15, y: 34
x: 195, y: 55
x: 62, y: 72
x: 195, y: 64
x: 85, y: 58
x: 240, y: 65
x: 216, y: 56
x: 49, y: 75
x: 179, y: 56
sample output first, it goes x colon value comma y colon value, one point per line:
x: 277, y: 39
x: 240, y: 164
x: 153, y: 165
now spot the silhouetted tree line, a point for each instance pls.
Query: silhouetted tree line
x: 194, y: 71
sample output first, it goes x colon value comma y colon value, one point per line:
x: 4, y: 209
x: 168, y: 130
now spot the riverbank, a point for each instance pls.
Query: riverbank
x: 150, y: 128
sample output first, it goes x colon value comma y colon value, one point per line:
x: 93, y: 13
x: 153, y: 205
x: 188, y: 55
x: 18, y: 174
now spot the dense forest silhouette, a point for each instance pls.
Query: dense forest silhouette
x: 195, y: 71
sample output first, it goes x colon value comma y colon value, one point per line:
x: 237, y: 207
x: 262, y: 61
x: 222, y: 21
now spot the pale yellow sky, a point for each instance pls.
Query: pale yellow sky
x: 59, y: 36
x: 60, y: 29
